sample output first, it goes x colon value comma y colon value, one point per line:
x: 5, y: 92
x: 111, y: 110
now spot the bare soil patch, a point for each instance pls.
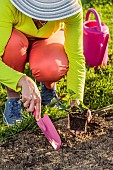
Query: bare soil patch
x: 90, y: 151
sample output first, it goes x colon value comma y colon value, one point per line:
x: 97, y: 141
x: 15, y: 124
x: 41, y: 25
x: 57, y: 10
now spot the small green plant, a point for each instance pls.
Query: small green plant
x: 67, y: 101
x: 63, y: 101
x: 75, y: 109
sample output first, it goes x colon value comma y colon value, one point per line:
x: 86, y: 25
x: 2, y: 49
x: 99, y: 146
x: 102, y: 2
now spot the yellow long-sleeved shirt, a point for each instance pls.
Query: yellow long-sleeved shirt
x: 11, y: 18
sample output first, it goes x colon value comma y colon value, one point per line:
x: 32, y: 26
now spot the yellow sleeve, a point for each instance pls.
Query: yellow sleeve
x: 8, y: 76
x: 73, y: 30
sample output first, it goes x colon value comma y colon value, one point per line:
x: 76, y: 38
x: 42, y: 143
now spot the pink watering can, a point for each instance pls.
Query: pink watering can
x: 95, y: 40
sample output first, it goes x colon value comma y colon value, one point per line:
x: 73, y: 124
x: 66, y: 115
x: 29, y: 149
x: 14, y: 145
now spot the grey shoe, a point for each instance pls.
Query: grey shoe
x: 12, y: 112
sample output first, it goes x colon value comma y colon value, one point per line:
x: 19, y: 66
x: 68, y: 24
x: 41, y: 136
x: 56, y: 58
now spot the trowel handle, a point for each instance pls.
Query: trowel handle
x: 40, y: 121
x: 41, y: 124
x: 91, y: 10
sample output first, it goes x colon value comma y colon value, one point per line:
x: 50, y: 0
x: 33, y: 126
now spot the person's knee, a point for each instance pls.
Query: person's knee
x: 48, y: 61
x: 15, y: 54
x: 49, y: 73
x: 18, y: 43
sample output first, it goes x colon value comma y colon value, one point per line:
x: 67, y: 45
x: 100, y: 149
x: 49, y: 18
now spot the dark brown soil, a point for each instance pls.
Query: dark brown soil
x: 90, y: 151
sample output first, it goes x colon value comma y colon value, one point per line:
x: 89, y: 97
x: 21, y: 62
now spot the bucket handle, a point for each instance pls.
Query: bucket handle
x: 91, y: 10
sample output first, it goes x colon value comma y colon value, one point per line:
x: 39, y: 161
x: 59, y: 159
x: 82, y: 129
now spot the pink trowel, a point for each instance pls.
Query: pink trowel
x: 49, y: 131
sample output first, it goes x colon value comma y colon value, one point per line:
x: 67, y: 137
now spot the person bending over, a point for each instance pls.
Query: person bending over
x: 30, y: 31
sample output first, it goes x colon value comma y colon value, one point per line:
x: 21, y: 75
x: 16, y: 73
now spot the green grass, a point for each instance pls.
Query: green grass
x: 99, y: 83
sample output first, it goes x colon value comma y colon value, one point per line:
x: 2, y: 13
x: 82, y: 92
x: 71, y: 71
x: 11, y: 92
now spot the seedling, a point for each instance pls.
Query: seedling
x: 77, y: 111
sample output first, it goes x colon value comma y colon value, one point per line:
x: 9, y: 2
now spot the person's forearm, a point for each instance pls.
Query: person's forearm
x: 74, y: 49
x: 9, y: 77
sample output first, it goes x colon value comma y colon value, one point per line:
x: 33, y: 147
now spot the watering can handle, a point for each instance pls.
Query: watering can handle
x: 91, y: 10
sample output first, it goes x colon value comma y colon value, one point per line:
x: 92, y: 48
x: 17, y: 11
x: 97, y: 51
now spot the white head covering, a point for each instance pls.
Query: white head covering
x: 47, y: 10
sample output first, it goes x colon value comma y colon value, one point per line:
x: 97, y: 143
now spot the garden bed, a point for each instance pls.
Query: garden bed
x: 90, y: 151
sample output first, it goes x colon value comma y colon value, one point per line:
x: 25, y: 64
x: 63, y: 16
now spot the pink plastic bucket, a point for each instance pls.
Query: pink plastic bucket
x: 95, y: 40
